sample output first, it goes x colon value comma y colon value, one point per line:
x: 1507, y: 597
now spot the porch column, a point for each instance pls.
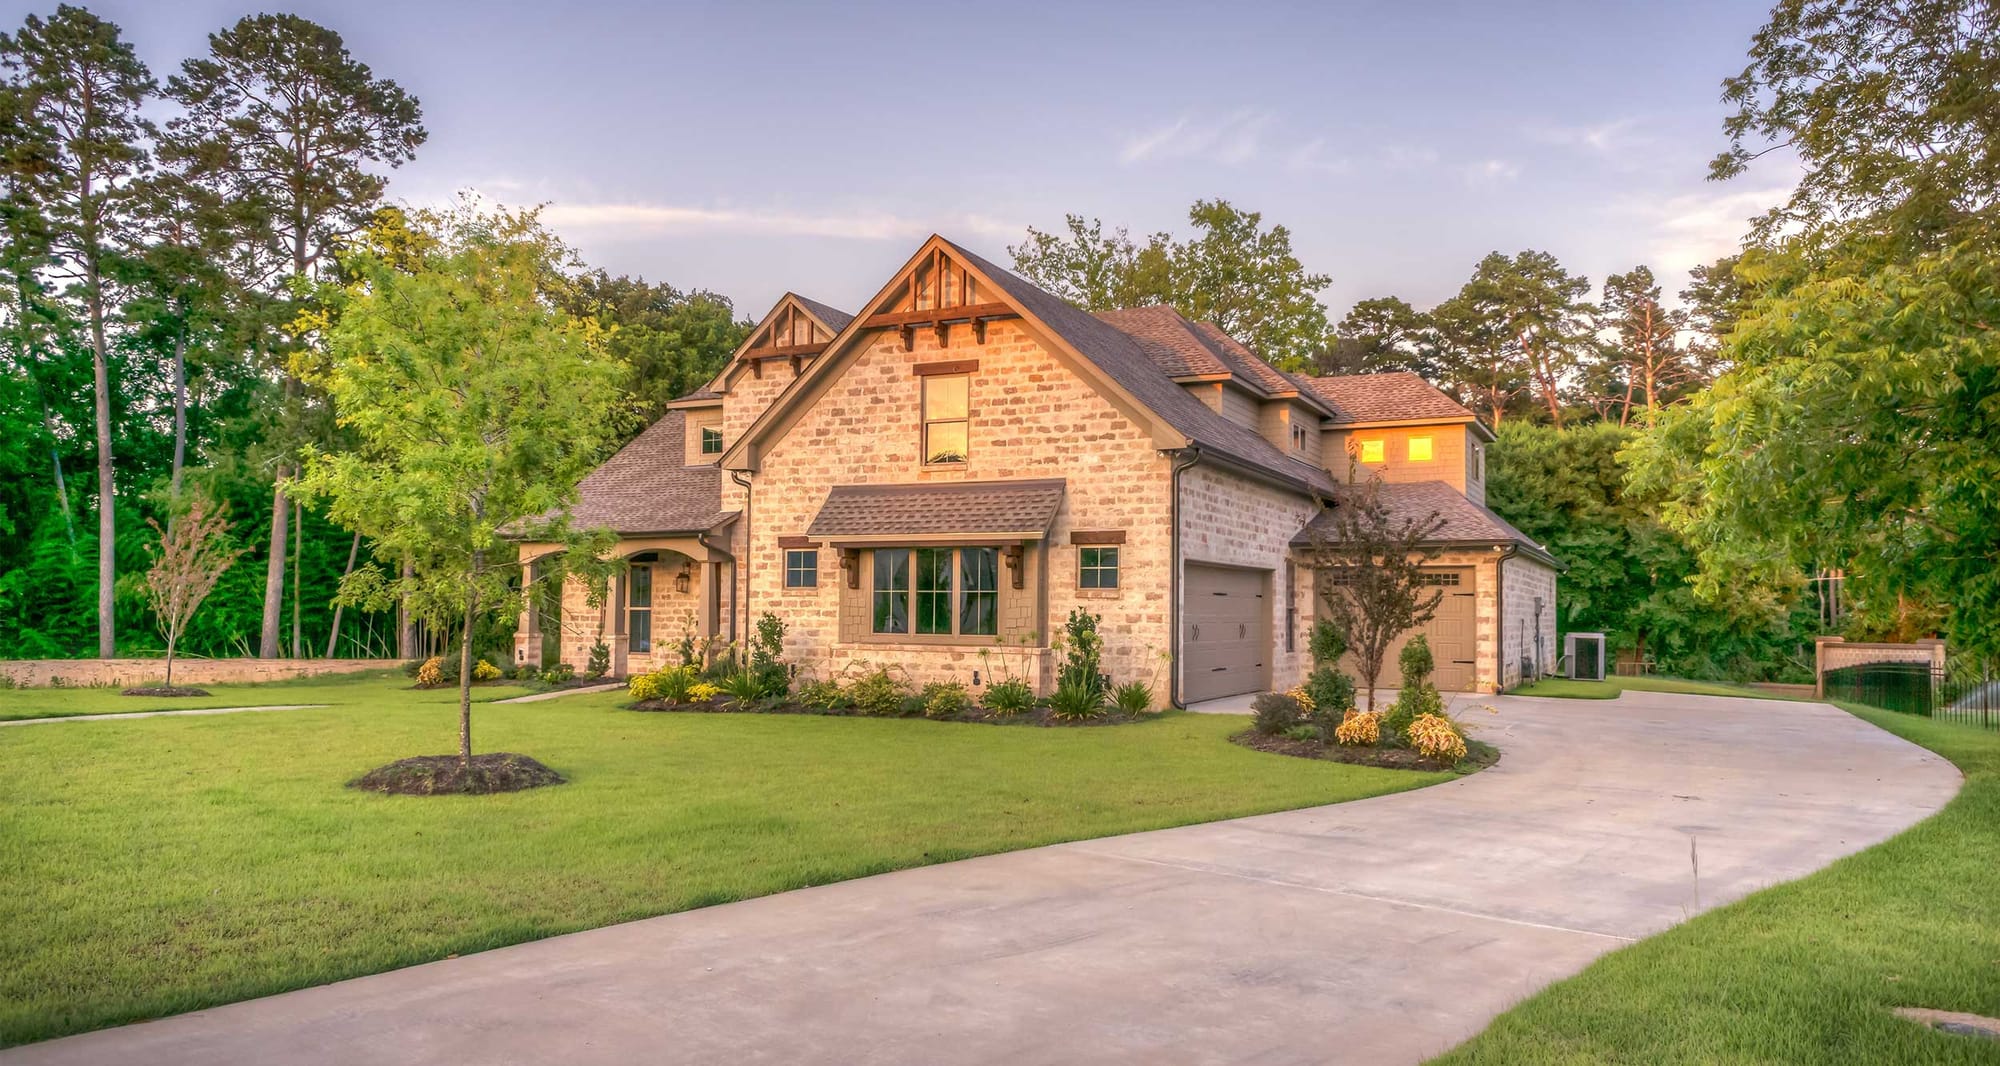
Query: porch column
x: 528, y: 635
x: 615, y: 633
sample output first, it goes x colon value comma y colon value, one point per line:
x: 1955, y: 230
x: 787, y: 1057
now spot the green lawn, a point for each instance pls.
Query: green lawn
x: 1610, y: 688
x: 1805, y: 972
x: 166, y: 864
x: 338, y: 689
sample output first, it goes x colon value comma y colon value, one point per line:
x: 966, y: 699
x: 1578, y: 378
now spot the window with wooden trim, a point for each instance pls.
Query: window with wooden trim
x: 801, y: 568
x: 947, y: 417
x: 1097, y: 568
x: 936, y: 591
x: 1372, y: 451
x: 639, y: 609
x: 711, y: 440
x: 1420, y: 449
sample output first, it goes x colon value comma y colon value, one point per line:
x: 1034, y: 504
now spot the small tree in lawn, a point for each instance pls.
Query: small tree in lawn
x: 1371, y: 562
x: 476, y: 406
x: 192, y: 555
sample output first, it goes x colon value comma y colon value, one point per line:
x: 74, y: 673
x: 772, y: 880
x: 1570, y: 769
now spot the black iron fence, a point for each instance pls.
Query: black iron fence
x: 1918, y: 688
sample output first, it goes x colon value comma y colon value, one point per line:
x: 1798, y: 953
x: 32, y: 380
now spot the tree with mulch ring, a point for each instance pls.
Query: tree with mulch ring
x: 163, y: 690
x: 1478, y: 754
x: 438, y: 775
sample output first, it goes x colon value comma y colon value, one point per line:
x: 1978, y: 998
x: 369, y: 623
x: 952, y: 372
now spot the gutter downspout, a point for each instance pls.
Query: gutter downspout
x: 742, y: 478
x: 1500, y: 616
x: 1185, y: 460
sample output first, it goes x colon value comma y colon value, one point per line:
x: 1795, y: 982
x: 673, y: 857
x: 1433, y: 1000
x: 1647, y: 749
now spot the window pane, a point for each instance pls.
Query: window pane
x: 802, y: 568
x: 979, y: 576
x: 639, y: 630
x: 641, y: 593
x: 1097, y: 568
x: 934, y: 590
x: 944, y: 442
x: 1420, y: 449
x: 1371, y: 451
x: 711, y: 441
x: 945, y: 398
x: 892, y: 590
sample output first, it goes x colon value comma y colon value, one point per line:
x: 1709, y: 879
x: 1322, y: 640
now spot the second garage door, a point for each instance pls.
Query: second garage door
x: 1225, y: 632
x: 1453, y: 634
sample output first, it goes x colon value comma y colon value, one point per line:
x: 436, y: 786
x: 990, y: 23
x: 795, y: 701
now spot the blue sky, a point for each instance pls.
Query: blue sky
x: 754, y: 149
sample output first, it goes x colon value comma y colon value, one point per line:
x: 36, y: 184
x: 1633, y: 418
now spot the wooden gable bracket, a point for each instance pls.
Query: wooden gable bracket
x: 1016, y: 571
x: 850, y: 563
x: 979, y: 331
x: 943, y: 334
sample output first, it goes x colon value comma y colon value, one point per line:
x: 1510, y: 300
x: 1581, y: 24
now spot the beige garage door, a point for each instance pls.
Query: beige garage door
x: 1225, y: 632
x: 1453, y: 634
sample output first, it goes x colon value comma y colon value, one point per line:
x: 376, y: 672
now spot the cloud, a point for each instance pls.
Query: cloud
x: 1312, y: 158
x: 863, y: 225
x: 1602, y: 138
x: 1406, y: 157
x: 1491, y: 170
x: 1696, y: 228
x: 1232, y: 139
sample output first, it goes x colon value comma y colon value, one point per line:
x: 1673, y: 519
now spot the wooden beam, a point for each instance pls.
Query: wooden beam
x: 1097, y: 536
x: 956, y: 366
x: 797, y: 542
x: 785, y: 351
x: 933, y: 316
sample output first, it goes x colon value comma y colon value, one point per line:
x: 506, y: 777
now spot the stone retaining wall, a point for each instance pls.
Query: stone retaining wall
x: 127, y: 672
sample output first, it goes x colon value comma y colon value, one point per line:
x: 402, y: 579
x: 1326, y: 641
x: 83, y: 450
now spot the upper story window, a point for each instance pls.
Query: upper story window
x: 1372, y: 451
x: 711, y: 440
x: 1298, y: 438
x: 1420, y: 449
x: 1478, y: 462
x: 947, y: 417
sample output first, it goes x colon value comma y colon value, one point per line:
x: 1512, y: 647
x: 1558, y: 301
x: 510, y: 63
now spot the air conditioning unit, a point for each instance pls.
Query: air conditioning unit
x: 1584, y: 654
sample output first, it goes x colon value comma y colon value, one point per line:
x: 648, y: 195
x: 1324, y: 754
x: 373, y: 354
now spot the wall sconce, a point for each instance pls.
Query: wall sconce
x: 684, y: 580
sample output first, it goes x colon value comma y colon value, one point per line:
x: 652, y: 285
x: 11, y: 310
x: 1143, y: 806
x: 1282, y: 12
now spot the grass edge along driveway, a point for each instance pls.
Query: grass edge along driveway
x: 1805, y: 972
x: 168, y: 864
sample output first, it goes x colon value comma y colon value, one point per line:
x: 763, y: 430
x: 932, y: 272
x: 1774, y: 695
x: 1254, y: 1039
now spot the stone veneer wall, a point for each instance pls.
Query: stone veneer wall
x: 129, y: 672
x: 1229, y: 519
x: 1526, y: 579
x: 1032, y: 417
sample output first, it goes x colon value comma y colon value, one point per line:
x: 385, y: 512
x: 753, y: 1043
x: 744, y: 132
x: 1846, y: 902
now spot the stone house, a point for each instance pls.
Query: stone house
x: 938, y: 481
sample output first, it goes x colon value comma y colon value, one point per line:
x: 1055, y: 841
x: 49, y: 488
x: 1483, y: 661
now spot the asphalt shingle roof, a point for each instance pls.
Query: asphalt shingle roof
x: 835, y: 319
x: 1465, y: 521
x: 974, y: 507
x: 1394, y: 396
x: 649, y: 488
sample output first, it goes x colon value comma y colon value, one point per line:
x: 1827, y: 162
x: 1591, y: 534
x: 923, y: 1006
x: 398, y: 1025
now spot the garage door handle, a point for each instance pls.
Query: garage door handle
x: 1242, y: 630
x: 1197, y: 632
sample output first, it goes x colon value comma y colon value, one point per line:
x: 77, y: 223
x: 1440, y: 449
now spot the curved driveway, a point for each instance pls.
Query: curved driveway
x: 1378, y: 931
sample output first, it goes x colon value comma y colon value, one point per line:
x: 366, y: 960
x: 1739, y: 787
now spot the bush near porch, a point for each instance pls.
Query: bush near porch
x: 168, y: 864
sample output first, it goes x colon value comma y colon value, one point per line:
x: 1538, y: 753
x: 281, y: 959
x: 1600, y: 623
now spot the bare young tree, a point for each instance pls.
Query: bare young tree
x: 1371, y: 580
x: 192, y: 556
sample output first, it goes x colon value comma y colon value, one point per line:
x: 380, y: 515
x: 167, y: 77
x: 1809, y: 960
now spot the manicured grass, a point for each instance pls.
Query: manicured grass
x: 1610, y: 688
x: 1805, y: 972
x: 337, y: 689
x: 166, y: 864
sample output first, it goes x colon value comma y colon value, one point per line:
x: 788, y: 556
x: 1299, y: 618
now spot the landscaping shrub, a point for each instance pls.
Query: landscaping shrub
x: 1009, y: 697
x: 1083, y: 660
x: 526, y: 672
x: 430, y: 674
x: 702, y: 692
x: 559, y: 673
x: 1133, y: 697
x: 1437, y: 737
x: 1304, y: 732
x: 1274, y: 712
x: 1417, y: 697
x: 1359, y: 729
x: 946, y: 699
x: 824, y: 695
x: 878, y: 693
x: 671, y: 685
x: 1331, y: 690
x: 1075, y: 699
x: 1326, y: 643
x: 767, y: 657
x: 485, y: 671
x: 743, y: 686
x: 600, y: 661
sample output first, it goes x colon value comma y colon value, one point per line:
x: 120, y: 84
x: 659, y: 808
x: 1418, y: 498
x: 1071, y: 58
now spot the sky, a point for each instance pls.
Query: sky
x: 754, y: 149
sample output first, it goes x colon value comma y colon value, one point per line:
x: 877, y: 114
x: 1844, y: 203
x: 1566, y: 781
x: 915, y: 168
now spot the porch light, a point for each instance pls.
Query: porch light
x: 684, y: 580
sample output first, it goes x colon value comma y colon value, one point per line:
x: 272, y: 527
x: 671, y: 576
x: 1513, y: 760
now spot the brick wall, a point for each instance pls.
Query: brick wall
x: 125, y: 673
x: 1526, y: 579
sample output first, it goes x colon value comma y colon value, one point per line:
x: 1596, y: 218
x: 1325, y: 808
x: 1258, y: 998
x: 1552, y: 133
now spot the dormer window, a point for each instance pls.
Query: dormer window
x: 711, y: 440
x: 1372, y: 451
x: 1420, y: 449
x: 947, y: 417
x: 1298, y: 438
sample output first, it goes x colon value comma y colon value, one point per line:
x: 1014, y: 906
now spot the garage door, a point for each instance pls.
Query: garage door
x: 1225, y: 632
x: 1453, y: 634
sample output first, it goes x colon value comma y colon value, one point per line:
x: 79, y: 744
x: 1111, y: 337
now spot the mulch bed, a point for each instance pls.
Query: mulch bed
x: 438, y: 775
x: 1478, y: 756
x: 163, y: 690
x: 1039, y: 716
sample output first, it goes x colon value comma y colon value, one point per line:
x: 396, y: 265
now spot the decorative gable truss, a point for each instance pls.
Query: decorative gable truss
x: 791, y: 332
x: 936, y: 292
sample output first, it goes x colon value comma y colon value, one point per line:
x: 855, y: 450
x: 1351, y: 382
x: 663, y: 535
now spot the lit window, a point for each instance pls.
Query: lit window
x: 1371, y: 451
x: 947, y: 413
x: 1097, y: 568
x: 639, y: 604
x: 711, y: 440
x: 1420, y: 449
x: 801, y: 568
x: 953, y: 591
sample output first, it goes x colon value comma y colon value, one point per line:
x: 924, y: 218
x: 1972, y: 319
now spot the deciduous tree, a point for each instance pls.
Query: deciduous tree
x: 1370, y: 562
x: 190, y: 558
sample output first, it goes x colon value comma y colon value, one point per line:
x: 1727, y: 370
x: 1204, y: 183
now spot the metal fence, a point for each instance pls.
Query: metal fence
x: 1918, y: 688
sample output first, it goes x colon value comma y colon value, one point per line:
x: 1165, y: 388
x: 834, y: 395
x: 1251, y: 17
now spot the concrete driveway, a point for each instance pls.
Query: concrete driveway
x: 1379, y: 931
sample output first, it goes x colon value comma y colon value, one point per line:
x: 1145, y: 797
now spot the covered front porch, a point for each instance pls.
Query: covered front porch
x: 668, y: 598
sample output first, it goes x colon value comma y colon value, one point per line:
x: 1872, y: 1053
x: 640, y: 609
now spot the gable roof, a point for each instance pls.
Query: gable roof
x: 1391, y: 396
x: 833, y: 318
x: 830, y: 321
x: 1188, y: 349
x: 649, y: 488
x: 1017, y: 508
x: 1465, y: 521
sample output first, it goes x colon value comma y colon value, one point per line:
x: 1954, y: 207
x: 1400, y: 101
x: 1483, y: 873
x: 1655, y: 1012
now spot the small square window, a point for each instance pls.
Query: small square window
x: 801, y: 568
x: 1371, y: 451
x: 711, y: 440
x: 1097, y: 568
x: 1420, y: 449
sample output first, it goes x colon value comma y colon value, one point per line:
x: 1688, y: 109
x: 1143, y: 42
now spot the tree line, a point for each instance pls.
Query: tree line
x: 168, y: 248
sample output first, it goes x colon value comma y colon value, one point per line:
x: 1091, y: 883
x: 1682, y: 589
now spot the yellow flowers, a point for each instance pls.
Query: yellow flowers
x: 1299, y: 696
x: 702, y: 692
x: 1359, y: 729
x: 431, y: 674
x: 485, y: 671
x: 1437, y: 738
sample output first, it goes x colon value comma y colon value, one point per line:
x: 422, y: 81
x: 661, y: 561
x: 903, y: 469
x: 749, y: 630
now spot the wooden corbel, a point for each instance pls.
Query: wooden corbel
x: 1018, y: 572
x: 979, y: 331
x: 943, y: 335
x: 850, y: 562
